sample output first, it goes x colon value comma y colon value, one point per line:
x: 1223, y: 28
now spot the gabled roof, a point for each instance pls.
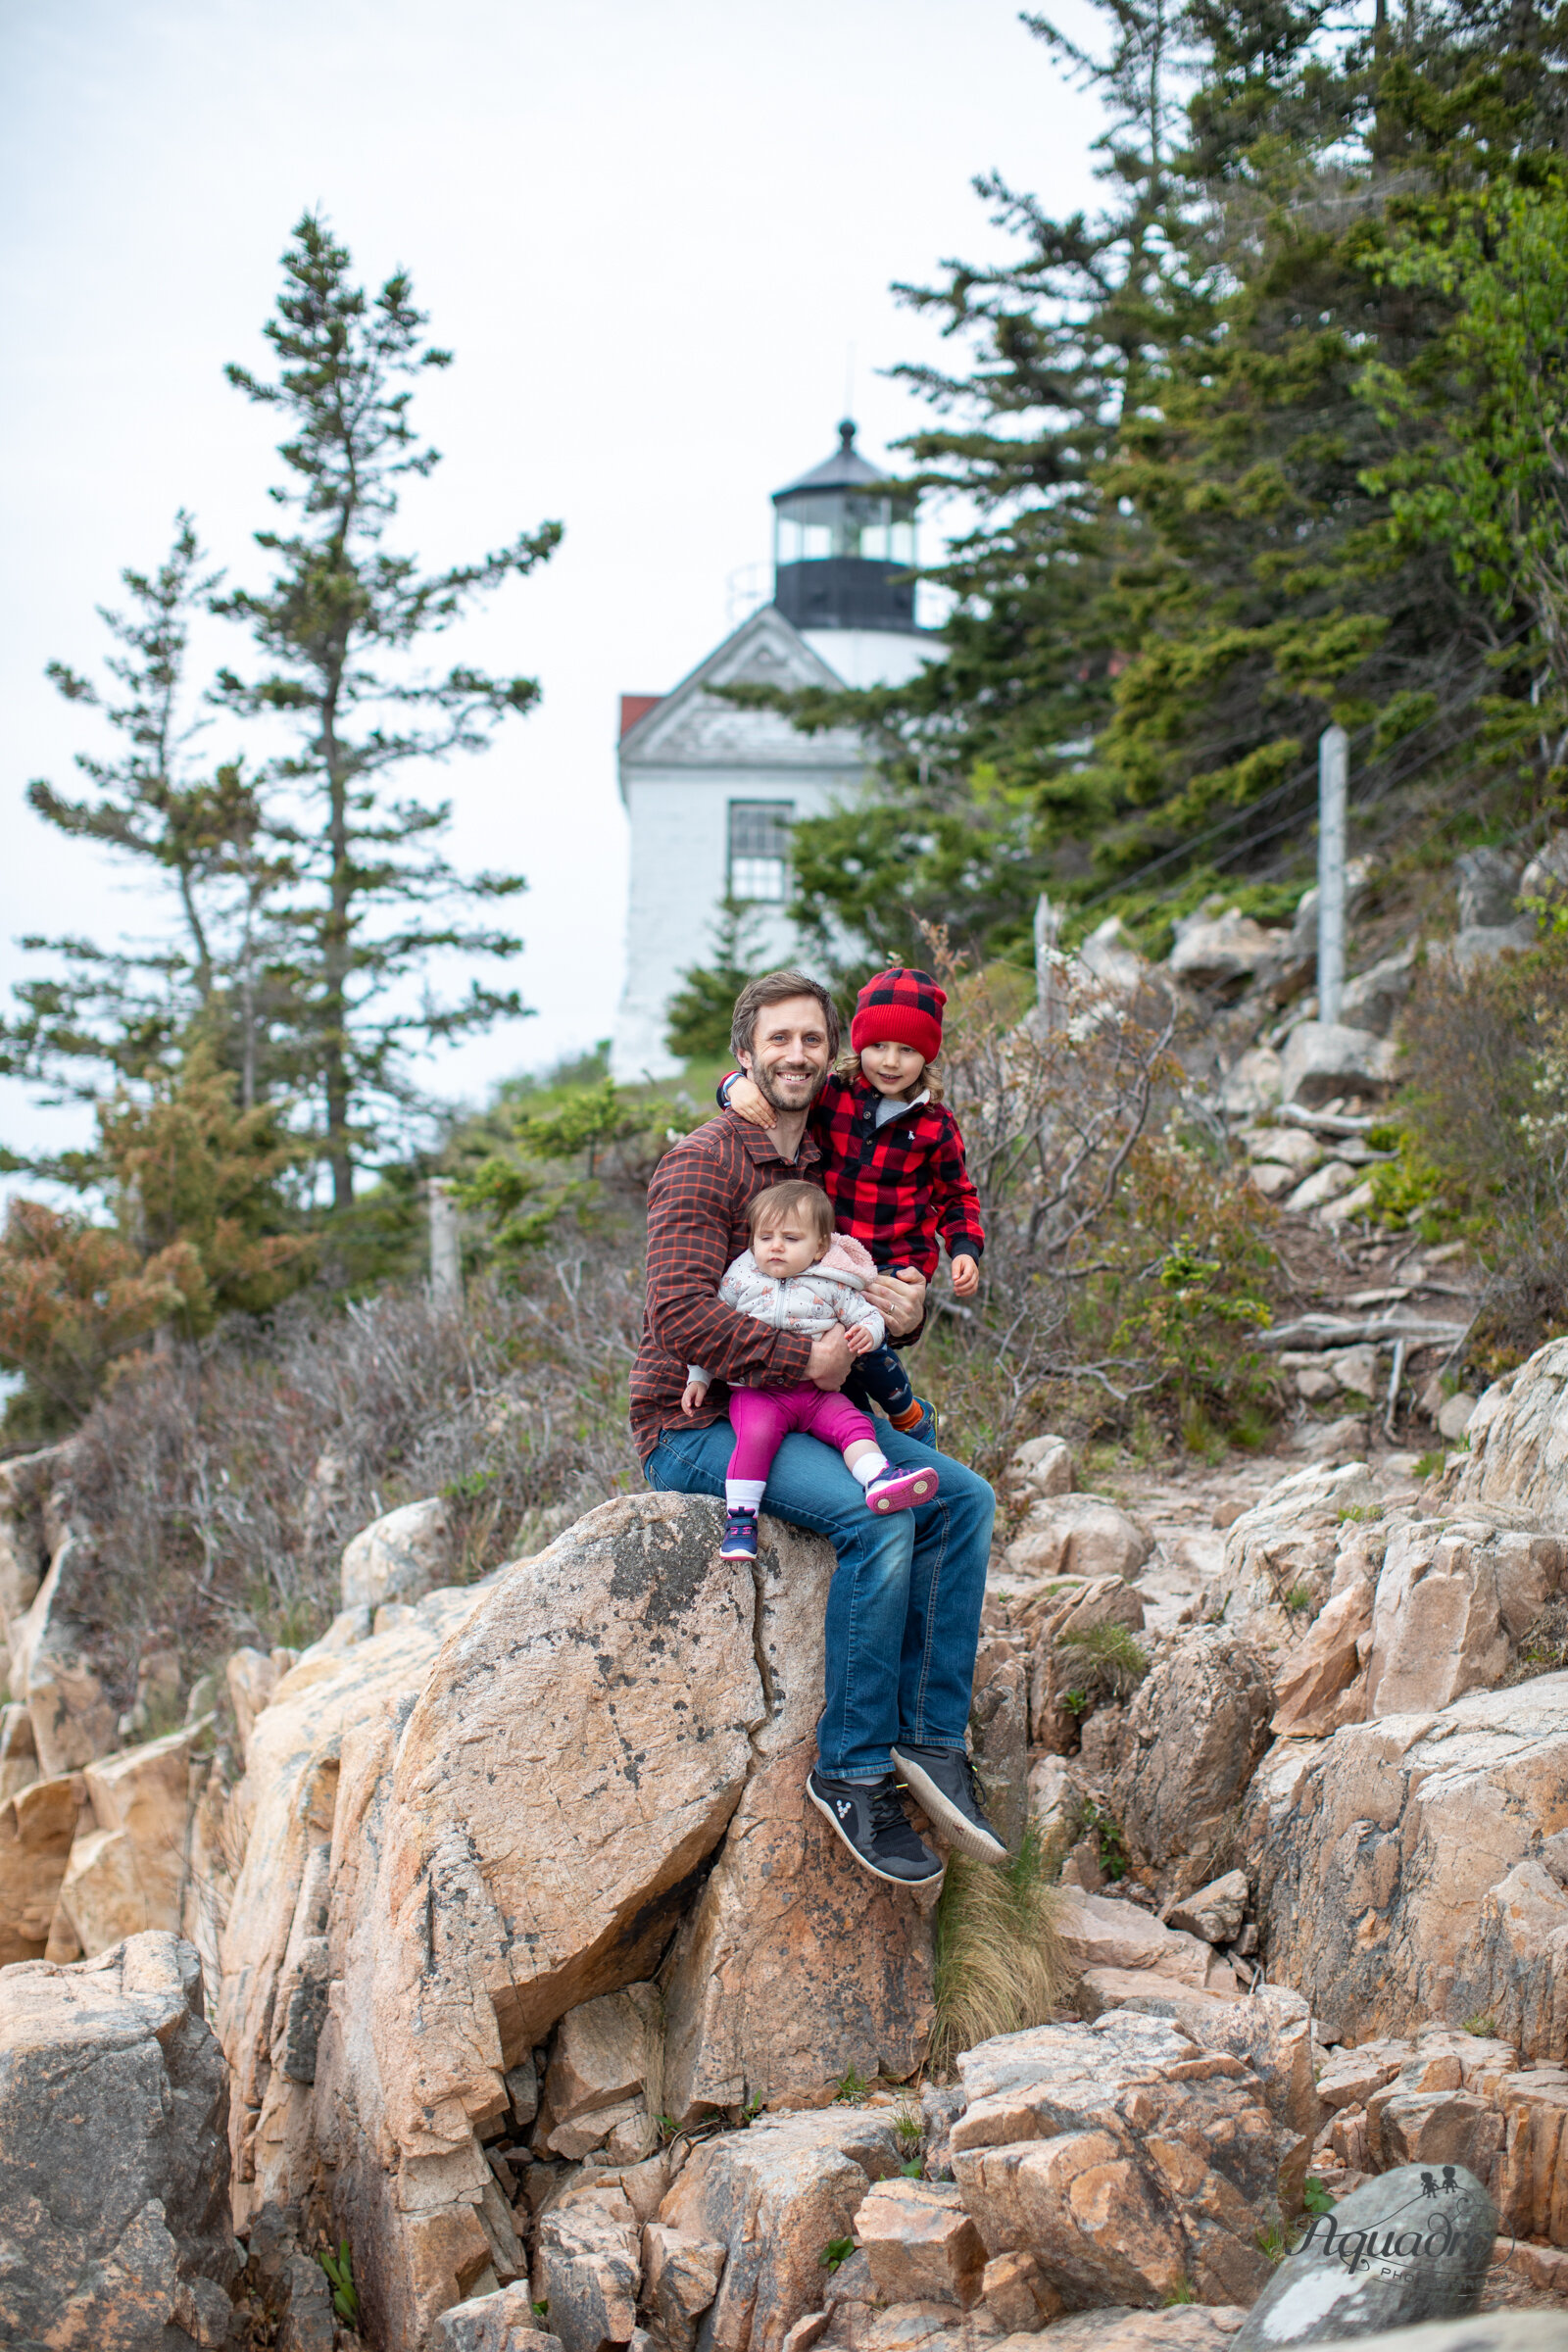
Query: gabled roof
x: 692, y: 726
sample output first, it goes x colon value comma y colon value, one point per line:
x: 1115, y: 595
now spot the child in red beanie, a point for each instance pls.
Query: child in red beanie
x: 893, y: 1161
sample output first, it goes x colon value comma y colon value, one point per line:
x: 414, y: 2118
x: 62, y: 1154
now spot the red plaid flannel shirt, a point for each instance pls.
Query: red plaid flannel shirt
x: 896, y: 1187
x: 697, y: 1204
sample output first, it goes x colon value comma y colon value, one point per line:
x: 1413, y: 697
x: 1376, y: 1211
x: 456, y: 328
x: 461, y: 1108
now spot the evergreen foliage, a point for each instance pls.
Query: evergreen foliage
x: 1200, y: 435
x: 335, y: 628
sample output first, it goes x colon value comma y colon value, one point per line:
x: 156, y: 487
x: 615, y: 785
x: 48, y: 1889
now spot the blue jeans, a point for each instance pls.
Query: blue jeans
x: 904, y: 1607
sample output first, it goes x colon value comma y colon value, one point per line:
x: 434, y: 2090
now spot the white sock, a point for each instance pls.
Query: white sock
x: 744, y: 1493
x: 869, y: 1466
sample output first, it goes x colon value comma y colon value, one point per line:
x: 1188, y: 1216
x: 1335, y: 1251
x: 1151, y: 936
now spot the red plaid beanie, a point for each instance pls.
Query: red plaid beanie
x: 902, y: 1006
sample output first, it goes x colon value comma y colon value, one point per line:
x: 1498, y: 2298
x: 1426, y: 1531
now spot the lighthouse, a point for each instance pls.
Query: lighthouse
x: 712, y: 792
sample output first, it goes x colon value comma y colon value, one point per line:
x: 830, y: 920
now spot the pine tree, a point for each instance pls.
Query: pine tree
x: 192, y: 829
x: 339, y: 627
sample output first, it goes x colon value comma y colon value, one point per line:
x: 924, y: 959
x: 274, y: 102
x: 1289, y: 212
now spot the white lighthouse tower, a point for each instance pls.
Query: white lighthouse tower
x: 713, y: 792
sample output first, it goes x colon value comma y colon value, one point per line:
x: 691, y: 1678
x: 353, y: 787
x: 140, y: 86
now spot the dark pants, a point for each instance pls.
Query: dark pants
x: 879, y: 1378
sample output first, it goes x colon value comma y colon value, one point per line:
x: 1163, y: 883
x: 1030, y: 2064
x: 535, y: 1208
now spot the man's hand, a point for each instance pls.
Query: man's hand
x: 829, y: 1365
x: 752, y: 1103
x: 965, y: 1278
x: 857, y: 1339
x: 900, y: 1298
x: 692, y: 1395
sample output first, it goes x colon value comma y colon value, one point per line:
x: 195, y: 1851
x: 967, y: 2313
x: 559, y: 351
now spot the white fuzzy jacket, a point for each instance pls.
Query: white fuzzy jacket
x: 811, y: 1303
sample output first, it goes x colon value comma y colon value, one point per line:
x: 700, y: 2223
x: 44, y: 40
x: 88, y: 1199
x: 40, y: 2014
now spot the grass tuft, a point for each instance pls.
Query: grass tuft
x: 999, y: 1966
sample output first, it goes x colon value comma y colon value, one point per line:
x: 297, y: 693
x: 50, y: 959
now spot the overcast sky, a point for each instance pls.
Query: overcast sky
x: 650, y: 229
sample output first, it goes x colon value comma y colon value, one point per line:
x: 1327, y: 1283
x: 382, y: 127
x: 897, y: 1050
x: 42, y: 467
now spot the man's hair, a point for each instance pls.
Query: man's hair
x: 794, y: 1198
x: 772, y: 989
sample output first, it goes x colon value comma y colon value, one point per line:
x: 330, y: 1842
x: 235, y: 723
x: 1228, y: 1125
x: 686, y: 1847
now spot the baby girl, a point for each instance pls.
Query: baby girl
x: 799, y: 1276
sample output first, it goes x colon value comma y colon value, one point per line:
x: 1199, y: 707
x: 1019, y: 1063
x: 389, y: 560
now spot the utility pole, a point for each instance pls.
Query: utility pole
x: 1048, y: 993
x: 446, y: 1262
x: 1333, y: 775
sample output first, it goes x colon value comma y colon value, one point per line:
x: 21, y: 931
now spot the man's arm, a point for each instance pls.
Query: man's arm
x: 690, y: 1207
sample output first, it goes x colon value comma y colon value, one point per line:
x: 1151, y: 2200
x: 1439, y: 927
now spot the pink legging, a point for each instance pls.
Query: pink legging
x: 761, y: 1419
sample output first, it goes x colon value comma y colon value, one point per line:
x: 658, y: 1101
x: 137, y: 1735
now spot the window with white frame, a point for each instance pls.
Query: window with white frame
x: 759, y: 848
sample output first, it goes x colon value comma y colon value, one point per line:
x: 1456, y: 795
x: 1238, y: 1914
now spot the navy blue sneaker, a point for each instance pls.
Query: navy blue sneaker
x: 874, y: 1825
x: 739, y: 1536
x: 943, y: 1782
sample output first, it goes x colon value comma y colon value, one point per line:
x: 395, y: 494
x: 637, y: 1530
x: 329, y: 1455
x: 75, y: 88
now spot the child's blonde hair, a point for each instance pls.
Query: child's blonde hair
x: 792, y: 1199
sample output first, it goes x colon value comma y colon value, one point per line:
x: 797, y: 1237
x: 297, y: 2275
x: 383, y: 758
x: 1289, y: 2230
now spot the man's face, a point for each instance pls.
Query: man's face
x: 789, y: 1054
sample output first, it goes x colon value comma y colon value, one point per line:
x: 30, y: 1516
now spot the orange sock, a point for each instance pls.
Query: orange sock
x: 912, y: 1417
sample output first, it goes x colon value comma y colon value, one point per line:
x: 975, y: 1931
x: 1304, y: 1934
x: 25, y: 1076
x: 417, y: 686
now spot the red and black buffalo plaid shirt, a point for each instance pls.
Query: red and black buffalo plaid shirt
x: 696, y: 1230
x: 895, y: 1188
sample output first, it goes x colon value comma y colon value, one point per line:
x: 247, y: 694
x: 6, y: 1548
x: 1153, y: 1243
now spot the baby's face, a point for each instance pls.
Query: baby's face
x: 786, y: 1248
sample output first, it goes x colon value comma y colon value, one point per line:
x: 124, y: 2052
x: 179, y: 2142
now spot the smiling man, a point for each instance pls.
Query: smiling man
x: 904, y: 1607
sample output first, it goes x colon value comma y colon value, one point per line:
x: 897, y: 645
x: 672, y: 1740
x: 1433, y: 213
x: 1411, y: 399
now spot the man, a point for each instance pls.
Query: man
x: 904, y: 1607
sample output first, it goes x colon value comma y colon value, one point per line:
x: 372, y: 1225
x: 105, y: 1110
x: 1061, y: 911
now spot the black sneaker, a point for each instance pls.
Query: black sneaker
x: 942, y: 1778
x: 874, y: 1825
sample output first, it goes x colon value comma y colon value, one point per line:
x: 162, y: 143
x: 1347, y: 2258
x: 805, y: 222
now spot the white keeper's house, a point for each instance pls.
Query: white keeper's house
x: 712, y: 792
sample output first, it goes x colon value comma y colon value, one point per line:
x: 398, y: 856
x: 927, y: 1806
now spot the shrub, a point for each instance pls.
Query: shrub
x: 1481, y: 1124
x: 999, y: 1964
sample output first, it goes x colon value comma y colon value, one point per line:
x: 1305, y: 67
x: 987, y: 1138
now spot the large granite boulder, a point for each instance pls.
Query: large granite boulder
x: 1455, y: 1597
x: 1401, y: 1868
x: 114, y: 2160
x: 1193, y: 1733
x: 769, y: 2202
x: 401, y: 1557
x: 1134, y: 2164
x: 502, y: 1815
x: 1324, y: 1059
x: 1518, y: 1442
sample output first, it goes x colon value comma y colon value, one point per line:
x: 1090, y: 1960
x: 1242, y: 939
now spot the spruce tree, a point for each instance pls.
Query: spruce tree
x: 340, y: 628
x: 191, y: 827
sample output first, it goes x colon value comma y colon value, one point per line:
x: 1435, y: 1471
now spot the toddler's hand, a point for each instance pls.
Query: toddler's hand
x: 860, y: 1342
x: 692, y: 1395
x: 965, y: 1276
x: 752, y: 1103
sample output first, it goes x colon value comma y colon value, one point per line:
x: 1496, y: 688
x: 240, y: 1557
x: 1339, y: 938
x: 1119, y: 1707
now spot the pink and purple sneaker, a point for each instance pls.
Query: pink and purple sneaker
x: 894, y: 1490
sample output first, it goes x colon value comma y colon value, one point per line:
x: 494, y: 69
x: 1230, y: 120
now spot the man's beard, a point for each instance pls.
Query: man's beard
x: 765, y: 1083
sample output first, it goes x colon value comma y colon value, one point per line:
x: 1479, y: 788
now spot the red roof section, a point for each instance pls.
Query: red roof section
x: 634, y: 706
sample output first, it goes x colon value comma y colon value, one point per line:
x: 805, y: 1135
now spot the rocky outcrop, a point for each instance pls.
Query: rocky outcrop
x: 127, y: 1869
x: 769, y: 2201
x: 1518, y: 1442
x: 1193, y: 1733
x: 36, y: 1830
x: 779, y: 1981
x: 503, y: 1814
x: 1220, y: 953
x: 1286, y: 1548
x: 1135, y: 2165
x: 1072, y: 1667
x: 1079, y: 1535
x: 1454, y: 1598
x: 52, y: 1665
x: 1400, y: 1871
x: 114, y: 2196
